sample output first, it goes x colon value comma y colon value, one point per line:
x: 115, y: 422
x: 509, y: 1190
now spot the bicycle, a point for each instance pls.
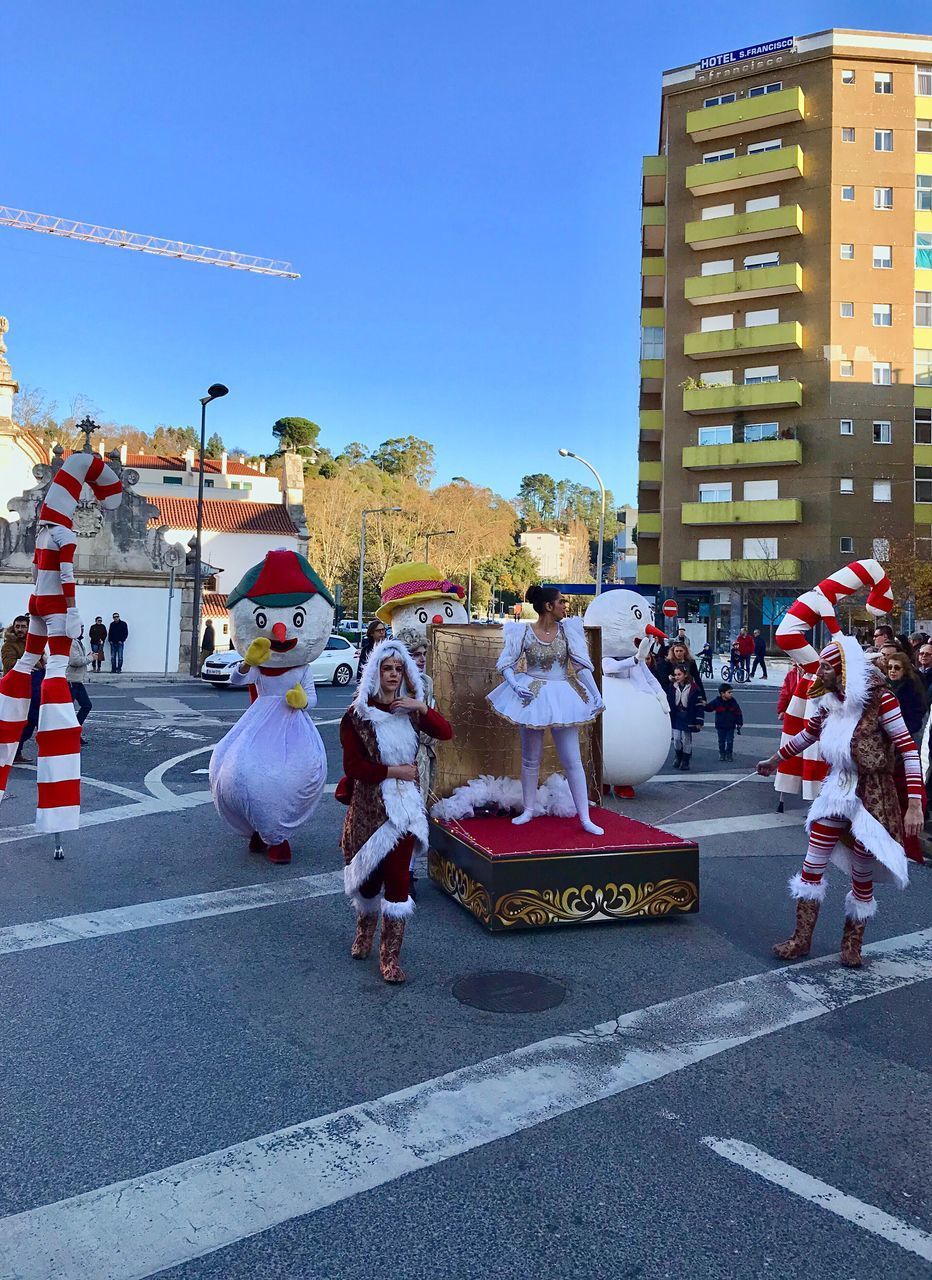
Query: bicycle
x: 705, y: 666
x: 734, y: 673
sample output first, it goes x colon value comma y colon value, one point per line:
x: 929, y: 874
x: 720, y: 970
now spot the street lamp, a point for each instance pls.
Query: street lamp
x: 438, y: 533
x: 214, y: 392
x: 568, y: 453
x: 370, y: 511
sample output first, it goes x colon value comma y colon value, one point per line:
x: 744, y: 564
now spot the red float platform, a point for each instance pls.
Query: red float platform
x: 551, y: 872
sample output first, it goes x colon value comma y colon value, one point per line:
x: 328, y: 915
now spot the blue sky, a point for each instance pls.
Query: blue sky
x: 458, y: 184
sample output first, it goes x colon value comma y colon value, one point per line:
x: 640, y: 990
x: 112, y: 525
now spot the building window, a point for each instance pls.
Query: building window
x: 761, y: 490
x: 923, y: 368
x: 756, y: 431
x: 715, y: 324
x: 719, y: 492
x: 883, y: 197
x: 247, y: 484
x: 847, y: 75
x: 719, y: 267
x: 758, y: 148
x: 924, y: 82
x: 883, y: 256
x: 713, y: 157
x: 846, y: 545
x: 651, y: 342
x: 758, y: 203
x: 846, y: 310
x: 208, y: 484
x: 234, y: 484
x: 922, y: 426
x: 882, y: 315
x: 883, y: 82
x: 883, y: 139
x: 759, y: 548
x: 924, y: 135
x: 846, y: 252
x: 881, y: 549
x: 715, y: 548
x: 924, y: 192
x: 171, y: 480
x: 883, y: 433
x: 882, y: 373
x: 846, y: 486
x: 716, y: 435
x: 755, y: 260
x: 923, y: 308
x: 765, y: 373
x: 760, y: 89
x: 754, y: 319
x: 720, y: 101
x: 883, y: 491
x: 717, y: 211
x: 847, y: 193
x: 719, y: 378
x: 923, y: 481
x: 846, y: 369
x: 846, y: 427
x: 847, y: 134
x: 924, y: 250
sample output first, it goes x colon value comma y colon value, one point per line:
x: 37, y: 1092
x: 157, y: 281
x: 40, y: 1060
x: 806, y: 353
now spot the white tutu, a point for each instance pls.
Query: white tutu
x: 556, y: 703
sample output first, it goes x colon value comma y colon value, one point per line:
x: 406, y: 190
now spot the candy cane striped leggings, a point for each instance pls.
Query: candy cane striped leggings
x: 823, y: 837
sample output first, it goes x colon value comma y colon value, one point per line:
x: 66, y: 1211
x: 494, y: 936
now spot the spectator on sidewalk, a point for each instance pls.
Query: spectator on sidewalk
x: 77, y: 670
x: 787, y: 689
x: 686, y: 713
x: 98, y: 638
x: 745, y: 647
x: 14, y: 642
x: 117, y: 636
x: 678, y: 654
x: 909, y: 691
x: 208, y: 642
x: 760, y: 655
x: 728, y: 720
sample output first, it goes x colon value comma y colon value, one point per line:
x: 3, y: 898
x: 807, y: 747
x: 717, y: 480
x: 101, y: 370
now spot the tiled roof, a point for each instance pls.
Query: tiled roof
x: 223, y: 516
x: 214, y: 604
x: 171, y: 462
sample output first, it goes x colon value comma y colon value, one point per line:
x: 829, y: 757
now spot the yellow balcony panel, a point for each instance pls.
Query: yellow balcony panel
x: 762, y: 453
x: 922, y: 455
x: 654, y: 266
x: 760, y: 395
x: 738, y: 228
x: 651, y: 420
x: 654, y: 167
x: 650, y: 474
x: 652, y: 317
x: 784, y: 107
x: 922, y: 278
x: 745, y: 171
x: 653, y: 226
x: 763, y: 511
x: 652, y: 371
x: 924, y: 162
x: 758, y: 282
x: 648, y: 525
x: 923, y: 397
x: 922, y: 513
x: 786, y: 336
x: 648, y: 575
x: 654, y: 174
x: 740, y: 570
x: 924, y: 219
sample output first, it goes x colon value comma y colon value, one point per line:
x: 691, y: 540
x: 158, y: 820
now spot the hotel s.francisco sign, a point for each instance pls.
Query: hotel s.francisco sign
x: 752, y: 51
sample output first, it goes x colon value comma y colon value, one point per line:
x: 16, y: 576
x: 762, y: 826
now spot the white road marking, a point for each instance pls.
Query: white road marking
x: 153, y: 780
x: 101, y: 786
x: 170, y: 707
x: 155, y: 1221
x: 119, y: 813
x: 825, y: 1196
x: 687, y: 778
x: 736, y: 826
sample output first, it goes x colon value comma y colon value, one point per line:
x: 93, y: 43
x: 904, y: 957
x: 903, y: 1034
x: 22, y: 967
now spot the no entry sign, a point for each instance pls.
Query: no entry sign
x: 669, y: 609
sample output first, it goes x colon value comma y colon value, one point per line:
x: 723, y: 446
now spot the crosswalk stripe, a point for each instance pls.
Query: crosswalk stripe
x: 138, y: 1227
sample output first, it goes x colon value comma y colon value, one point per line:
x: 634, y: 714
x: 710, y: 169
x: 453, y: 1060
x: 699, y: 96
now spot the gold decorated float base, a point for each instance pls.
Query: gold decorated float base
x: 549, y: 872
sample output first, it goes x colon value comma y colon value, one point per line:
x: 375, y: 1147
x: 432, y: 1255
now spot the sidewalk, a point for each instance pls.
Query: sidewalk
x: 125, y: 678
x: 776, y: 673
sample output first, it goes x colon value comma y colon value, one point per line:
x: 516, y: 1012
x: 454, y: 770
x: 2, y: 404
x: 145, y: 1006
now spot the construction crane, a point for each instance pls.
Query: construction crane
x: 52, y: 226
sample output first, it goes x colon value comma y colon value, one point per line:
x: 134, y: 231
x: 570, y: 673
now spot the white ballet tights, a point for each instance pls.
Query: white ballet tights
x: 566, y: 741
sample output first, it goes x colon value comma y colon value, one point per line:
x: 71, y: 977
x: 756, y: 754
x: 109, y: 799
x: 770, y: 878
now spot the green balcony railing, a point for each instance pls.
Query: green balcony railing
x: 652, y: 369
x: 651, y: 419
x: 648, y: 524
x: 739, y: 571
x: 653, y: 266
x: 650, y: 473
x: 759, y: 395
x: 760, y: 453
x: 763, y: 511
x: 784, y: 336
x: 654, y: 167
x: 754, y: 282
x: 737, y: 228
x: 762, y: 112
x: 648, y: 575
x: 745, y: 171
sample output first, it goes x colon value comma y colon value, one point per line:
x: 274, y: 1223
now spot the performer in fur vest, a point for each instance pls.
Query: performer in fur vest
x: 857, y: 821
x: 386, y: 822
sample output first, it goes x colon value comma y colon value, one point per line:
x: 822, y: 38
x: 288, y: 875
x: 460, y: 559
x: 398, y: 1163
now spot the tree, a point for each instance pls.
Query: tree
x: 583, y: 503
x: 537, y: 499
x: 406, y: 456
x: 214, y: 446
x: 295, y: 433
x: 34, y: 411
x: 174, y: 440
x: 354, y: 454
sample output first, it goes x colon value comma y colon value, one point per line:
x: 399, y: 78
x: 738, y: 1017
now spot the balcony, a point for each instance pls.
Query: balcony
x: 653, y: 273
x: 654, y: 176
x: 648, y: 575
x: 764, y: 511
x: 651, y: 377
x: 923, y: 397
x: 651, y: 420
x: 787, y: 106
x: 739, y: 228
x: 756, y: 282
x: 653, y: 226
x: 648, y: 525
x: 745, y: 171
x: 652, y: 317
x: 785, y: 336
x: 759, y: 395
x: 739, y: 571
x: 759, y: 453
x: 650, y: 474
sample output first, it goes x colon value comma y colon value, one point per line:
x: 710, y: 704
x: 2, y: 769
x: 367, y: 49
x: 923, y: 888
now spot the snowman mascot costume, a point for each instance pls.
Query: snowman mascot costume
x: 636, y: 721
x: 416, y: 596
x: 267, y: 775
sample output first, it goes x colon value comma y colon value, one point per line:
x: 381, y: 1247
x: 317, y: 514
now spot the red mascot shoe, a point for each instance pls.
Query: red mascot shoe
x: 256, y: 843
x: 280, y: 852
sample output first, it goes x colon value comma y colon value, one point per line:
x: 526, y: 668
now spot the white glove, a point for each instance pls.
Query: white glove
x: 521, y: 690
x: 72, y: 624
x: 587, y: 680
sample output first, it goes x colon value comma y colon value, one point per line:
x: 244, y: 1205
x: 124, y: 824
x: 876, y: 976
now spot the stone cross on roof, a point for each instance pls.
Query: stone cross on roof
x: 88, y: 427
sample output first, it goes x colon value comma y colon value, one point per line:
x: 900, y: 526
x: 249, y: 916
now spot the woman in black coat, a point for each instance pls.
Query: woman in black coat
x: 909, y: 691
x: 375, y: 634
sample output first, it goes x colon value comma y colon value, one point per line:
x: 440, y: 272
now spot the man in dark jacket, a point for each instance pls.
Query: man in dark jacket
x: 117, y: 635
x: 760, y: 655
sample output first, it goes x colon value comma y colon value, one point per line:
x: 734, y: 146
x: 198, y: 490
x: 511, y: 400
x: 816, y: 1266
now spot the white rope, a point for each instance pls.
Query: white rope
x: 702, y: 799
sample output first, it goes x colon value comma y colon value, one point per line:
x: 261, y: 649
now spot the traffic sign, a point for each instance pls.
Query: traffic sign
x: 669, y: 608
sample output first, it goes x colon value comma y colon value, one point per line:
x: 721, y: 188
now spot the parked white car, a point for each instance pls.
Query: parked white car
x: 336, y: 665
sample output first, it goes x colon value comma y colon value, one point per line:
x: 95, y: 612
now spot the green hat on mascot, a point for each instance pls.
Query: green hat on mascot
x: 282, y: 579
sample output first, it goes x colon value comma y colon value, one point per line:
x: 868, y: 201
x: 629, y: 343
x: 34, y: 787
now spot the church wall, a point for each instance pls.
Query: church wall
x: 234, y: 553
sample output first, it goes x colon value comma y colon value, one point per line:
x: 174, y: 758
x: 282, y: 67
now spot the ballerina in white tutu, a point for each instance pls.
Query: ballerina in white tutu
x: 557, y: 691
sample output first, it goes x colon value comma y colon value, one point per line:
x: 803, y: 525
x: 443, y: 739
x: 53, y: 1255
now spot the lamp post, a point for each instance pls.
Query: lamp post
x: 438, y: 533
x: 568, y: 453
x: 370, y: 511
x: 214, y: 392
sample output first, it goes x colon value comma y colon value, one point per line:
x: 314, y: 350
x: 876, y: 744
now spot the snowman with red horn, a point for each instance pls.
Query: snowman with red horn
x: 267, y: 775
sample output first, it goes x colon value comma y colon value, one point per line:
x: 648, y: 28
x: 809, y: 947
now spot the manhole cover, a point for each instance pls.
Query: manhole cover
x: 509, y: 991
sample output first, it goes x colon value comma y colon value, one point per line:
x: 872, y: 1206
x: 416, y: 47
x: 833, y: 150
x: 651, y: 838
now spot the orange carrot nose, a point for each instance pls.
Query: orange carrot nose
x: 279, y: 631
x: 437, y: 620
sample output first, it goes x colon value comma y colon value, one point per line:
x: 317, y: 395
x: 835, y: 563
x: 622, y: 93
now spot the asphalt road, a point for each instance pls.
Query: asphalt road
x: 143, y: 1034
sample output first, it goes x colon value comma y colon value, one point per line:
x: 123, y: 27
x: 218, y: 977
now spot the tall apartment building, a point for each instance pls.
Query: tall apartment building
x: 786, y: 370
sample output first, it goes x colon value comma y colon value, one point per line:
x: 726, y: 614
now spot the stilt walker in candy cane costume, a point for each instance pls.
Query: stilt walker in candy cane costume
x: 856, y: 822
x: 54, y: 621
